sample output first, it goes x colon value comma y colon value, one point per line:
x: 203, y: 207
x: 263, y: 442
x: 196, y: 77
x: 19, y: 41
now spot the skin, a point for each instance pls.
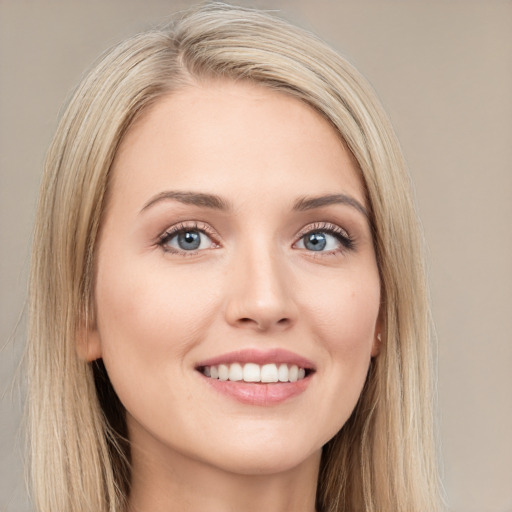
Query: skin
x: 252, y: 284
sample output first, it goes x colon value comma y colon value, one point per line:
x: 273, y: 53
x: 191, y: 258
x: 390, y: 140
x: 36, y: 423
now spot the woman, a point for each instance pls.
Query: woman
x: 228, y: 302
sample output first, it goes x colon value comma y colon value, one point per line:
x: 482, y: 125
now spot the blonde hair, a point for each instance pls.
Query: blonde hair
x: 383, y: 459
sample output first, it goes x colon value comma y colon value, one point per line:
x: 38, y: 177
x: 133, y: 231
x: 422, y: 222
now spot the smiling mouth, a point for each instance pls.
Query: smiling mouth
x: 255, y: 373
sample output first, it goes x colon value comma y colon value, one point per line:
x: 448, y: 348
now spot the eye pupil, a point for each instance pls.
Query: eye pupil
x: 315, y: 241
x: 189, y: 240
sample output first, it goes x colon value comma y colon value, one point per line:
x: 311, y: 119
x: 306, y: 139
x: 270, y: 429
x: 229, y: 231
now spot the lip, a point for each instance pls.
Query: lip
x: 276, y: 356
x: 259, y: 394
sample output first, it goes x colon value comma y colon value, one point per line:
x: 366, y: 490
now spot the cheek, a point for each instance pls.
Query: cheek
x: 345, y: 315
x: 147, y: 316
x: 344, y: 320
x: 148, y: 322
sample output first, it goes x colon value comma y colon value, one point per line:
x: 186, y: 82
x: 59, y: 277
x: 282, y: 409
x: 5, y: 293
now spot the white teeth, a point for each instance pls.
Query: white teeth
x: 283, y: 372
x: 236, y: 372
x: 269, y: 373
x: 223, y: 372
x: 252, y: 372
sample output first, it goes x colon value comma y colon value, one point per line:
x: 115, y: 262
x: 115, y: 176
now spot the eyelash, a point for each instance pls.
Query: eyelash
x: 182, y: 228
x: 347, y: 242
x: 343, y: 237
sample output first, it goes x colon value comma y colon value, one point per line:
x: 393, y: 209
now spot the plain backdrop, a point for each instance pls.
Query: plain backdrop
x: 442, y: 68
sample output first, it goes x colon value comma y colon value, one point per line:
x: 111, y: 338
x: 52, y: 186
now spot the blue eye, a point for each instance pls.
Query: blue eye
x: 189, y: 240
x: 186, y: 239
x: 325, y: 238
x: 318, y: 241
x: 315, y: 241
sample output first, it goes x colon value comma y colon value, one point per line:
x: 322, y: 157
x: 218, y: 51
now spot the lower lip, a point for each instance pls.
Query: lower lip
x: 262, y: 394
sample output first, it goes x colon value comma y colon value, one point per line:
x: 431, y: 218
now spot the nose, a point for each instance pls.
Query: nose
x: 260, y: 293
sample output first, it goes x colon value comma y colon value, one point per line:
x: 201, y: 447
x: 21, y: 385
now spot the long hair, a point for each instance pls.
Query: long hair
x: 383, y: 458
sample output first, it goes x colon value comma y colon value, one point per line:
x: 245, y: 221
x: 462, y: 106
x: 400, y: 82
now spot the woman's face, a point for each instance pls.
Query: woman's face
x: 235, y: 245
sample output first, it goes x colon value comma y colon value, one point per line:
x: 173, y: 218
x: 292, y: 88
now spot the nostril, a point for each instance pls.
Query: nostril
x: 263, y: 325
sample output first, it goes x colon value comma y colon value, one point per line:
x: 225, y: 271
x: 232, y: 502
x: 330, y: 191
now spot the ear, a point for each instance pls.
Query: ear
x: 377, y: 343
x: 88, y: 343
x: 378, y: 336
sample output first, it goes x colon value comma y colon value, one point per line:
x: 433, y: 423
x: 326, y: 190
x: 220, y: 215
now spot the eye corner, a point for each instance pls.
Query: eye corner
x: 195, y: 234
x: 334, y: 239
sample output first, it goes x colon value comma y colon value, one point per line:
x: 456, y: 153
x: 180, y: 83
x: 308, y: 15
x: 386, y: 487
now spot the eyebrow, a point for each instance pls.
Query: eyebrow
x: 194, y: 198
x: 217, y: 203
x: 310, y: 203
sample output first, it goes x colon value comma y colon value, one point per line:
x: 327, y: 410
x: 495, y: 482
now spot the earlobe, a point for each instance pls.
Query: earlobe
x: 377, y: 343
x: 88, y: 344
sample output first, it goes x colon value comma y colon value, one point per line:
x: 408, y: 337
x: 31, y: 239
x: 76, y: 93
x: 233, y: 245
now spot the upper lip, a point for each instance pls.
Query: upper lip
x: 258, y: 356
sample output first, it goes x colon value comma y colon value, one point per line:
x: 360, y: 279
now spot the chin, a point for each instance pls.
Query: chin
x: 265, y: 452
x: 267, y: 461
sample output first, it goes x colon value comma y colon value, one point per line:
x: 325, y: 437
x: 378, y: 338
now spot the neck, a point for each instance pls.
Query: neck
x: 175, y: 482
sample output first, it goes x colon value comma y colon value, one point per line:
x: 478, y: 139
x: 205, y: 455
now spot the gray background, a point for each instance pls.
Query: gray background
x: 443, y: 70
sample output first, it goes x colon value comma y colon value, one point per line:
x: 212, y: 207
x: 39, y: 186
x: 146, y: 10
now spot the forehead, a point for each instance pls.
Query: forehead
x: 234, y: 138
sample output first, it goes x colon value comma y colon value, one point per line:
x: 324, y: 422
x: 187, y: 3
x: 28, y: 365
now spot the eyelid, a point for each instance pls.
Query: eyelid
x: 187, y: 226
x: 323, y: 226
x: 343, y: 236
x: 345, y: 239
